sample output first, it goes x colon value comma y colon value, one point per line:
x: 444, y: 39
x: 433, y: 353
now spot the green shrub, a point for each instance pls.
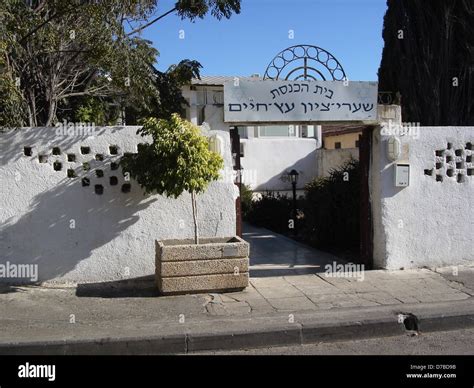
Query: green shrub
x: 271, y: 211
x: 177, y: 160
x: 332, y: 209
x: 246, y: 202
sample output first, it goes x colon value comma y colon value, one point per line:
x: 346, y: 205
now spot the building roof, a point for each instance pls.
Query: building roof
x: 218, y: 80
x: 341, y: 129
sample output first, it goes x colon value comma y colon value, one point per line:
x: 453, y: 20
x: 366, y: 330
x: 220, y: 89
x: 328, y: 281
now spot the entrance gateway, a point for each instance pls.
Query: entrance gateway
x: 295, y: 91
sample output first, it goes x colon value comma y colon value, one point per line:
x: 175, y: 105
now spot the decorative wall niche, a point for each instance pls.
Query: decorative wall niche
x: 457, y: 167
x: 126, y: 187
x: 86, y: 172
x: 99, y: 189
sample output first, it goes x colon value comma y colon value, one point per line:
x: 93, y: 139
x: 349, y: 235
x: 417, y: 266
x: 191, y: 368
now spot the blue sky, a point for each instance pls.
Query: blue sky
x: 349, y: 29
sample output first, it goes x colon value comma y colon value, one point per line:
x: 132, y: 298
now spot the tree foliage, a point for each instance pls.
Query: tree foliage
x: 177, y: 159
x: 429, y: 59
x: 54, y: 52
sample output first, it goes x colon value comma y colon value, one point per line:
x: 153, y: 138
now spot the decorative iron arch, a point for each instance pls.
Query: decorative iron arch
x: 306, y: 58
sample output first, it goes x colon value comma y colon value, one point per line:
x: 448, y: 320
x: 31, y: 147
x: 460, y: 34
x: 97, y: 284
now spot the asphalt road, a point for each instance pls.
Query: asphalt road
x: 458, y: 342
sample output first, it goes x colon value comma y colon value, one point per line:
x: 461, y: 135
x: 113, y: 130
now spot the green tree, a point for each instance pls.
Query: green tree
x: 178, y: 159
x: 55, y: 51
x: 429, y: 59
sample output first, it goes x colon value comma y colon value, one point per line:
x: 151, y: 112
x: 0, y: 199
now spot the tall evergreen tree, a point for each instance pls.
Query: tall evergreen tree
x: 429, y: 59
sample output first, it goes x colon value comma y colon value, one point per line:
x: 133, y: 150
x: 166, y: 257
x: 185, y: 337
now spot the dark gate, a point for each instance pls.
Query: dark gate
x: 366, y: 230
x: 235, y: 149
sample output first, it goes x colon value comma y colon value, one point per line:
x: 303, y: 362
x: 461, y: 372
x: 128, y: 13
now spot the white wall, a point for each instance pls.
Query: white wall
x: 428, y: 223
x: 114, y: 233
x: 331, y: 159
x: 266, y: 160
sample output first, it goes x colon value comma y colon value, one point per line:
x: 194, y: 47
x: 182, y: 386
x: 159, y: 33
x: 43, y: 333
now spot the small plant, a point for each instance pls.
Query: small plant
x: 178, y: 159
x: 246, y: 199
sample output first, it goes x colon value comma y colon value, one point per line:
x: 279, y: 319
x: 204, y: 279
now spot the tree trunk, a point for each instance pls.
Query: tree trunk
x: 196, y: 231
x: 51, y: 113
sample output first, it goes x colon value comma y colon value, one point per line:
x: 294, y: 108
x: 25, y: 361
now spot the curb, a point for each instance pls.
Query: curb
x: 264, y: 331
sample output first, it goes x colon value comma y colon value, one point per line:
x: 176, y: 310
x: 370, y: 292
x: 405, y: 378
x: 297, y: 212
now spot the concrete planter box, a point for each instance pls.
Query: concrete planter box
x: 216, y: 264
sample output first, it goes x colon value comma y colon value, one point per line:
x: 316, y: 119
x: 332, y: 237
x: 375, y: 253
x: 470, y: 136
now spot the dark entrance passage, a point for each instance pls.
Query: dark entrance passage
x: 272, y: 254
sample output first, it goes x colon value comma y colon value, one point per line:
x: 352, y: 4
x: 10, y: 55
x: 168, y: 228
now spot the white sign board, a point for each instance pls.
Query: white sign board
x: 299, y: 101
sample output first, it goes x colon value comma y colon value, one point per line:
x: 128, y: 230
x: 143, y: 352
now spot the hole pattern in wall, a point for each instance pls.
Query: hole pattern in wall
x: 91, y: 171
x: 456, y: 163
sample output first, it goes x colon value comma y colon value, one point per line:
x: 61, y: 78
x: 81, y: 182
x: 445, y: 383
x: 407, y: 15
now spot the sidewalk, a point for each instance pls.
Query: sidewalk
x: 272, y: 311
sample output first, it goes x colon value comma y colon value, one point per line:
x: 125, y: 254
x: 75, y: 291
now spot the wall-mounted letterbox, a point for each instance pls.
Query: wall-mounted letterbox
x: 402, y: 174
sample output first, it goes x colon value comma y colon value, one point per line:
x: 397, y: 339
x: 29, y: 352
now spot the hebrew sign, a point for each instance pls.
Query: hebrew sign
x: 299, y: 101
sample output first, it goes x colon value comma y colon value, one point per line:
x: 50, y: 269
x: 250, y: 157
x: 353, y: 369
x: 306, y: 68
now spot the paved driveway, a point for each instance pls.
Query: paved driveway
x: 272, y: 254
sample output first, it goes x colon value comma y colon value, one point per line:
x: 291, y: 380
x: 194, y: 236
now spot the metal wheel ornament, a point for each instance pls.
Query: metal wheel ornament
x: 305, y: 62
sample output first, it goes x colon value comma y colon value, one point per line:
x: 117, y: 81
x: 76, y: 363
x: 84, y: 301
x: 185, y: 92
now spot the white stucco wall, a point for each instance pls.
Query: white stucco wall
x: 428, y: 223
x: 76, y: 235
x: 266, y: 160
x: 334, y: 158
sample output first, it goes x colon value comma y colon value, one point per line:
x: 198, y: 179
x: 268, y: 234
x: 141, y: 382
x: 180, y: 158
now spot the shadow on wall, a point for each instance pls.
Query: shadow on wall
x: 276, y: 183
x: 66, y: 224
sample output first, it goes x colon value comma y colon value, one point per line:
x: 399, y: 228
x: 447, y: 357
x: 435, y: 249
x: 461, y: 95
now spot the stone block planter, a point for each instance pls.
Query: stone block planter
x: 214, y: 265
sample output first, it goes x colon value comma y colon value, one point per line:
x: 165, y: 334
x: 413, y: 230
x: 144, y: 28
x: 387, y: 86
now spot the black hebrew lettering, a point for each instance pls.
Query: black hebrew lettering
x: 235, y: 110
x: 317, y: 88
x: 305, y: 108
x: 288, y: 109
x: 279, y: 106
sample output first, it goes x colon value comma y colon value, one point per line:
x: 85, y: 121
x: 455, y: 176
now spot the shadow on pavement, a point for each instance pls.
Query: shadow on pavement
x: 140, y: 287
